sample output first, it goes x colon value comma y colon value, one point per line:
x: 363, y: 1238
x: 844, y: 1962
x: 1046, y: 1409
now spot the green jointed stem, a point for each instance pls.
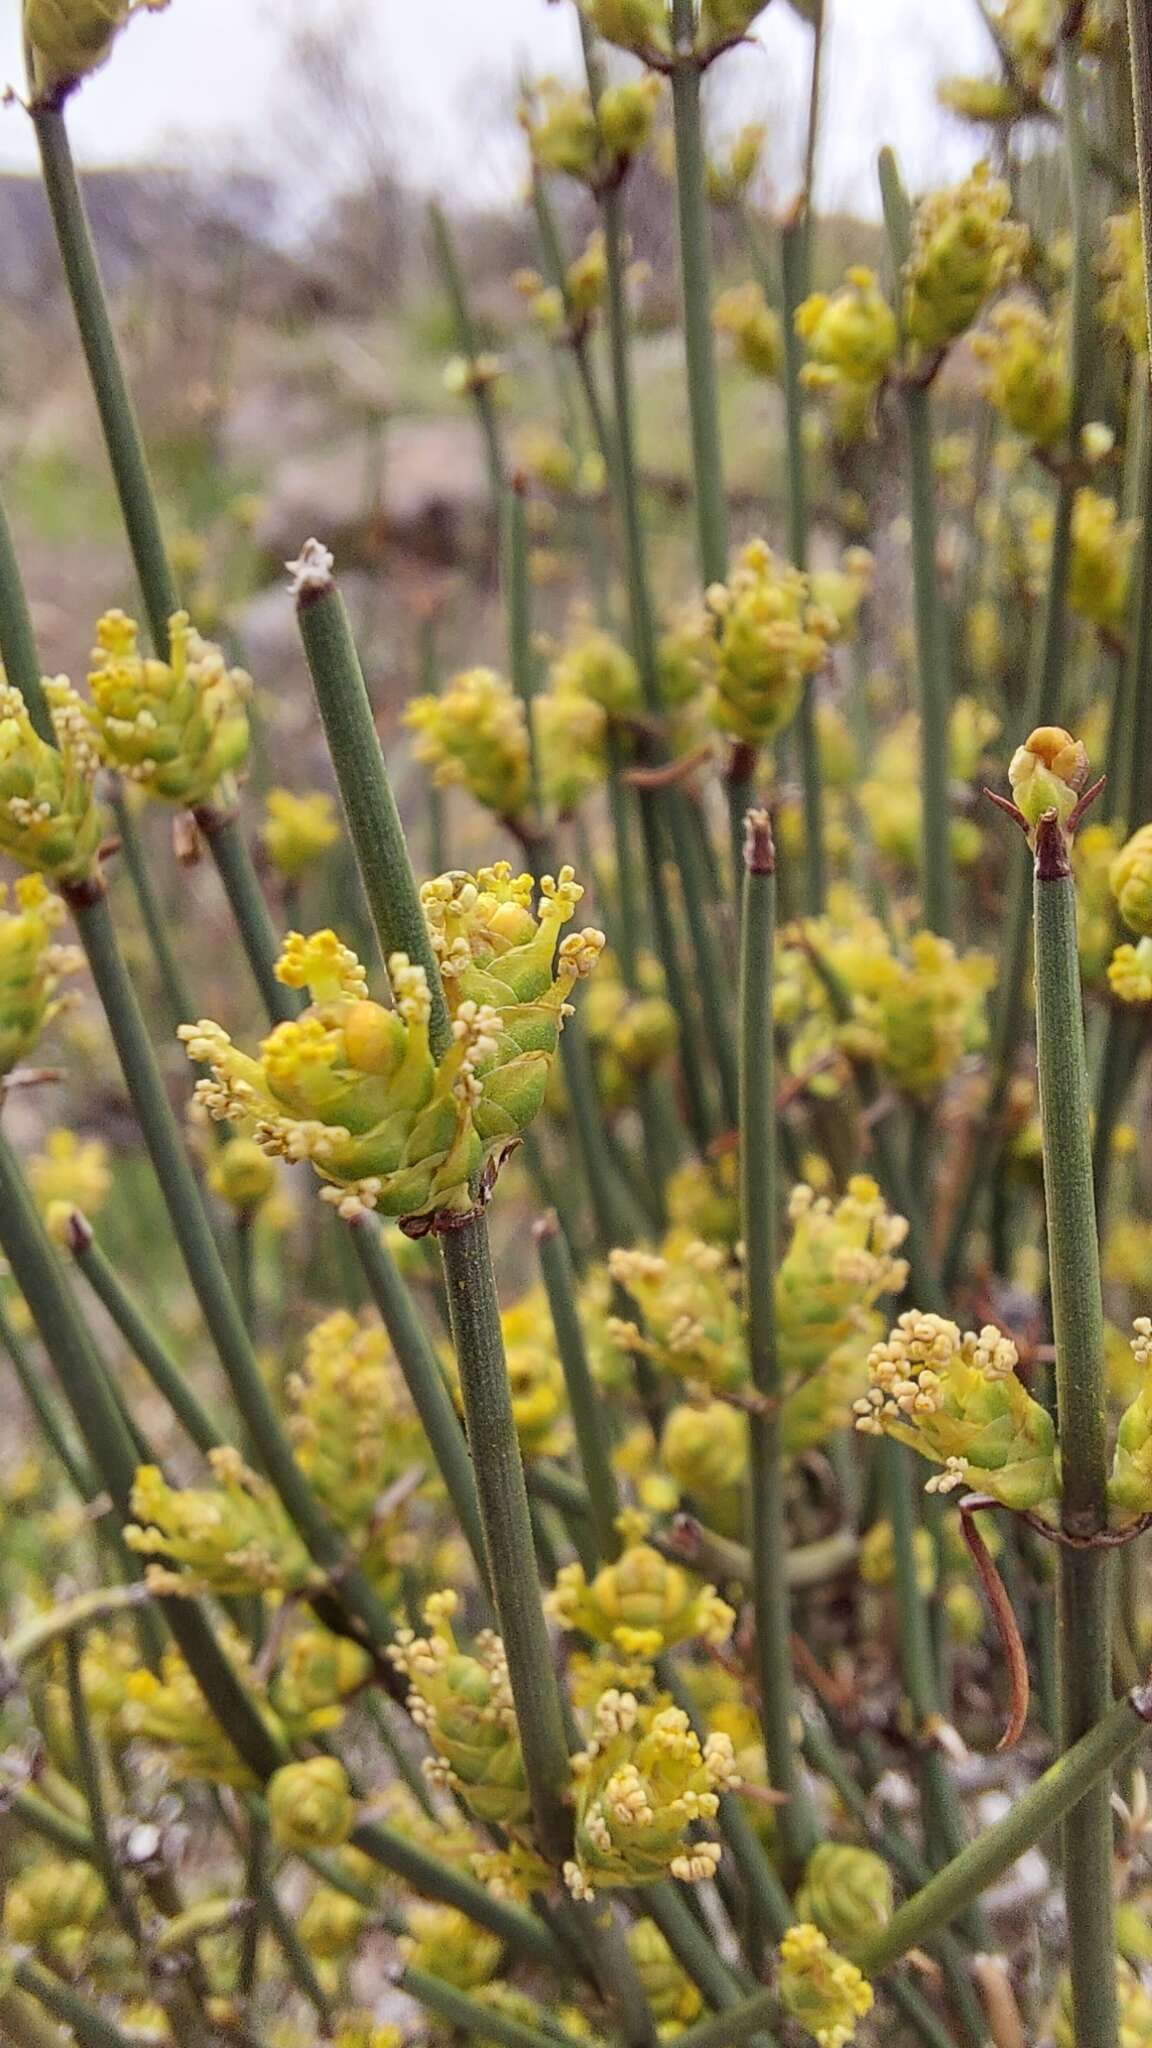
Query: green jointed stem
x: 585, y: 1399
x: 448, y: 1885
x: 696, y: 279
x: 1140, y: 50
x: 931, y: 627
x: 36, y: 1394
x: 759, y: 1199
x: 365, y: 790
x: 147, y: 1346
x: 1081, y: 1400
x: 474, y: 1312
x: 468, y: 343
x: 423, y: 1378
x: 206, y: 1272
x: 225, y: 839
x: 17, y: 636
x: 85, y: 2024
x: 177, y: 999
x: 89, y: 1771
x: 475, y: 2021
x: 1116, y: 1737
x: 794, y: 271
x: 117, y: 414
x: 22, y: 2023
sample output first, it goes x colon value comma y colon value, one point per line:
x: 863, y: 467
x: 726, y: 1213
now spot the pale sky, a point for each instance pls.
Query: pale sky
x: 206, y: 72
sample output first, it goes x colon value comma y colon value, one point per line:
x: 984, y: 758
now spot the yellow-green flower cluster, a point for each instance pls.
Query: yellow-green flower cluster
x: 447, y: 1944
x: 964, y: 248
x: 770, y: 637
x: 642, y: 1781
x: 631, y: 1032
x: 1025, y: 357
x: 841, y: 1258
x: 55, y: 1902
x: 310, y: 1804
x: 1101, y: 570
x: 728, y: 179
x: 565, y: 133
x: 922, y: 1014
x: 31, y: 967
x: 241, y: 1174
x: 354, y: 1432
x: 593, y: 664
x: 674, y: 2000
x: 1123, y: 303
x: 852, y: 339
x: 1130, y: 878
x: 298, y: 830
x: 167, y: 1710
x: 232, y: 1537
x: 704, y: 1448
x: 1130, y: 1484
x: 49, y: 818
x: 474, y: 734
x: 584, y: 281
x: 744, y: 317
x: 956, y: 1399
x: 70, y: 1172
x: 570, y: 728
x: 176, y: 727
x: 891, y: 797
x: 1094, y: 856
x: 463, y: 1703
x: 822, y: 1990
x: 640, y: 1605
x: 846, y: 1892
x: 67, y: 39
x: 354, y: 1087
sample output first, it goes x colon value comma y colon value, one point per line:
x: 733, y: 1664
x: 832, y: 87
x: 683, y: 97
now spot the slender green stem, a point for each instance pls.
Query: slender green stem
x: 449, y: 1885
x: 585, y: 1400
x: 468, y: 343
x: 90, y: 1774
x: 1081, y: 1392
x: 283, y: 1930
x: 694, y: 1949
x: 696, y: 280
x: 22, y: 2024
x: 365, y: 790
x: 46, y: 1819
x: 122, y: 436
x: 85, y: 2024
x: 143, y: 1341
x: 475, y: 2021
x: 424, y: 1379
x: 225, y: 841
x: 170, y: 973
x: 758, y: 1220
x: 474, y: 1311
x: 205, y: 1267
x: 932, y: 657
x: 1033, y: 1814
x: 794, y: 272
x: 18, y: 650
x: 35, y: 1393
x: 1140, y: 50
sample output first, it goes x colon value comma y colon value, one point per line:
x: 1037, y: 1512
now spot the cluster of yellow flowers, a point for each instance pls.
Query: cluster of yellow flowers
x: 771, y: 636
x: 32, y: 966
x: 745, y: 318
x: 354, y: 1087
x: 853, y: 339
x: 592, y: 144
x: 964, y: 248
x: 1025, y: 357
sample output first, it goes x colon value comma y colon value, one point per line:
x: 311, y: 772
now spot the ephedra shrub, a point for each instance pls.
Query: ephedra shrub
x: 725, y: 1619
